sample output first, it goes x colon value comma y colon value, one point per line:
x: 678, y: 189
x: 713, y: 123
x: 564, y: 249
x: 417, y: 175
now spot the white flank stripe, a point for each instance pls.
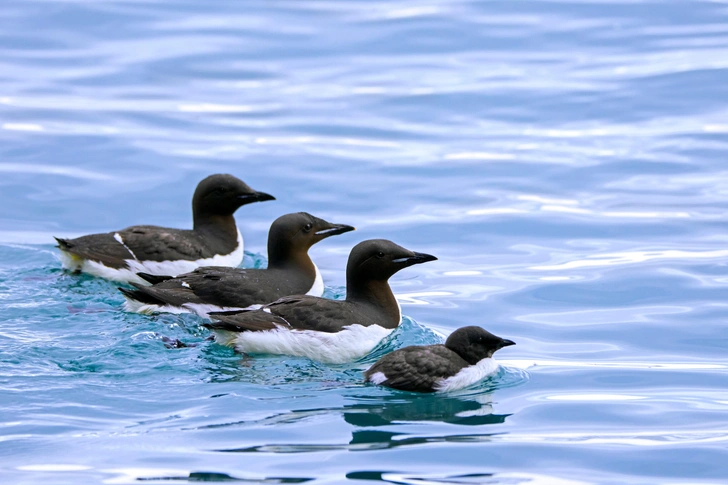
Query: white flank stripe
x: 117, y: 236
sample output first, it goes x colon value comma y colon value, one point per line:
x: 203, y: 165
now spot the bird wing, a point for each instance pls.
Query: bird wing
x: 417, y: 368
x: 232, y: 287
x: 153, y: 243
x: 300, y: 312
x: 102, y: 248
x: 143, y: 243
x: 304, y: 312
x: 212, y: 285
x: 245, y: 321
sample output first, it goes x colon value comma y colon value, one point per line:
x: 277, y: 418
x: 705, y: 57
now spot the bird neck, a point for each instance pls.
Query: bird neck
x: 286, y: 259
x: 221, y: 227
x: 377, y: 295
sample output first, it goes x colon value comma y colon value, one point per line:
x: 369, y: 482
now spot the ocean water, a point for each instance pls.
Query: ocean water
x: 567, y: 161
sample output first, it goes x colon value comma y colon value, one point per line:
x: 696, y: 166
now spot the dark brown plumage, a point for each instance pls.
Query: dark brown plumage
x: 369, y: 299
x: 290, y: 271
x: 423, y: 368
x: 214, y: 233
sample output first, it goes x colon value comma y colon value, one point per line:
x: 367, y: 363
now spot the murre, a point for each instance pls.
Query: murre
x: 214, y: 239
x: 290, y: 272
x: 332, y: 331
x: 465, y: 359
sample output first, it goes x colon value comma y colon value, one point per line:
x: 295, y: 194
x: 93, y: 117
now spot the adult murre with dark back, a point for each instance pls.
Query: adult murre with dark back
x: 213, y: 240
x: 290, y: 272
x: 333, y: 331
x: 464, y: 359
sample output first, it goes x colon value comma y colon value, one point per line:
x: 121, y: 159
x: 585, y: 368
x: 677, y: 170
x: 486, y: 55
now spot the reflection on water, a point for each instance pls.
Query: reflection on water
x: 467, y: 410
x: 469, y: 479
x: 124, y: 476
x: 385, y: 411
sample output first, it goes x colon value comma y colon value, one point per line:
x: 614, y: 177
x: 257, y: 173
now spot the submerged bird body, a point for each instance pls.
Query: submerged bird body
x: 290, y: 271
x: 327, y: 330
x: 214, y: 239
x: 465, y: 359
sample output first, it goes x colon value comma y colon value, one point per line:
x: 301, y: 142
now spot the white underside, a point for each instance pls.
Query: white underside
x: 468, y: 376
x: 135, y: 306
x: 200, y: 309
x: 166, y: 268
x: 203, y: 309
x: 351, y: 343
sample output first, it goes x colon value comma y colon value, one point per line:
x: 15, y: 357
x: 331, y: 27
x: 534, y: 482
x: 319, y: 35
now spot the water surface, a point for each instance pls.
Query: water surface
x: 566, y: 161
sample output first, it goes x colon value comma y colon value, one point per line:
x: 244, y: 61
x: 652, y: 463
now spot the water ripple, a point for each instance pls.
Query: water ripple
x: 564, y: 162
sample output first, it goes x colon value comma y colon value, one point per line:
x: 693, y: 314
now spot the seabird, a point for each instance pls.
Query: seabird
x: 464, y: 359
x: 333, y: 331
x: 214, y: 239
x: 290, y: 272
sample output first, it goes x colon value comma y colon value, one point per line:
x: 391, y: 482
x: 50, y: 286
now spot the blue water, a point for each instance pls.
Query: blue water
x: 566, y: 161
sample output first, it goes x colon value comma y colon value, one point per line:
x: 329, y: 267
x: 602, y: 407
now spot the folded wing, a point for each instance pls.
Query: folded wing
x: 416, y: 368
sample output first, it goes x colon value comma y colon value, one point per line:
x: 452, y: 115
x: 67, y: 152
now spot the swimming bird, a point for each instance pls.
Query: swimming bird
x: 333, y: 331
x: 214, y: 239
x: 290, y: 272
x: 466, y: 358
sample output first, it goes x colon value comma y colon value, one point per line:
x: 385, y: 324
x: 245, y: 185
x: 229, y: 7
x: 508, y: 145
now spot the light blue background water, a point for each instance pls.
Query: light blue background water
x: 566, y: 161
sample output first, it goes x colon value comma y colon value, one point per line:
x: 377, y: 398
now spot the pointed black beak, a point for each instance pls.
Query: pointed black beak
x: 255, y: 197
x: 334, y: 230
x: 506, y: 343
x: 416, y: 258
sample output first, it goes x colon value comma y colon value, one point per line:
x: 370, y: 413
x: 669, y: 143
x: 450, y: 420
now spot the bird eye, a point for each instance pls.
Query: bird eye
x: 308, y: 227
x: 380, y: 254
x: 220, y: 190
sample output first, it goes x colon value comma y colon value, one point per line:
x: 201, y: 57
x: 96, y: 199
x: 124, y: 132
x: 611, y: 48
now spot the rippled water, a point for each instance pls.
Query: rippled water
x: 566, y: 161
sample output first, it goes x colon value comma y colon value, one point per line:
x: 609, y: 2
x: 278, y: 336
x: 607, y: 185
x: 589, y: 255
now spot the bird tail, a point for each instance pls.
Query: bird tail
x: 154, y: 279
x: 218, y: 325
x: 63, y: 244
x: 139, y: 295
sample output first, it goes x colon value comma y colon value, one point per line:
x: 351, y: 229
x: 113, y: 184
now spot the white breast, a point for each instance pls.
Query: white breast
x: 351, y: 343
x: 318, y: 284
x: 468, y: 375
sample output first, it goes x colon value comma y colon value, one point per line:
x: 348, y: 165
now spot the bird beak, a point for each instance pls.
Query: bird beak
x: 255, y: 197
x: 506, y: 343
x: 416, y: 258
x: 334, y: 230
